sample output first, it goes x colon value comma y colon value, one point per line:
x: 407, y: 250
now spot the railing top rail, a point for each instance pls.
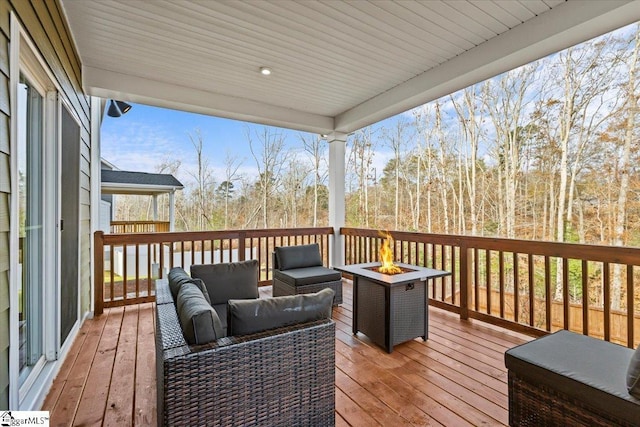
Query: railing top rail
x: 125, y: 238
x: 602, y: 253
x: 138, y: 222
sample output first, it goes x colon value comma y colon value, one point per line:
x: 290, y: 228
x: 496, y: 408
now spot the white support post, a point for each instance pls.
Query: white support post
x: 172, y: 215
x: 337, y: 148
x: 155, y: 207
x: 96, y: 191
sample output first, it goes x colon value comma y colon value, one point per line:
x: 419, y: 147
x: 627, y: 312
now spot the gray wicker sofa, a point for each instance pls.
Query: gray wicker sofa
x: 276, y: 377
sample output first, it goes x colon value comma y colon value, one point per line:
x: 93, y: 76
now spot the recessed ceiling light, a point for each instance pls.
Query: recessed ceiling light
x: 265, y: 71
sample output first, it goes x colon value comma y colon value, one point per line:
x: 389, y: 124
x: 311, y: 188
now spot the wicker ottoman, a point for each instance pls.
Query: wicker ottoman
x: 567, y: 379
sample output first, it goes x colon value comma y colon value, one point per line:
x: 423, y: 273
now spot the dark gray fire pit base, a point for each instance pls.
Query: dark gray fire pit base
x: 390, y: 309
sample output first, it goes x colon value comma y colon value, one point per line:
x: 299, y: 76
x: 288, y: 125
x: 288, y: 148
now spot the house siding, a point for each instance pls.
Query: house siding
x: 44, y: 23
x: 5, y: 190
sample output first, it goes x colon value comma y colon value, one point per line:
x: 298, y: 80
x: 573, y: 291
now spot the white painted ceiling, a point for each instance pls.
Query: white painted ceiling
x: 337, y: 65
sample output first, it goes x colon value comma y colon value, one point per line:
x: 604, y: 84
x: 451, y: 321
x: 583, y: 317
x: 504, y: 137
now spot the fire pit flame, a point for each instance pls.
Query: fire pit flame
x: 386, y: 257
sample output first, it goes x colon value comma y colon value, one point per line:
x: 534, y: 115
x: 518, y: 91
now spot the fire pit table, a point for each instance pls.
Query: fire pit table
x: 391, y: 309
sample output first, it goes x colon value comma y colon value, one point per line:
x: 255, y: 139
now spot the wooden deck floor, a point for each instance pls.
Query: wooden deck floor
x: 456, y: 378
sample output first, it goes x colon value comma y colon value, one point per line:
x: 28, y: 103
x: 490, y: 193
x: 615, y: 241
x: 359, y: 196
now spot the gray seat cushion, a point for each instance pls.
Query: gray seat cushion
x: 300, y: 256
x: 177, y: 277
x: 251, y: 316
x: 235, y: 280
x: 200, y: 322
x: 590, y: 369
x: 307, y: 276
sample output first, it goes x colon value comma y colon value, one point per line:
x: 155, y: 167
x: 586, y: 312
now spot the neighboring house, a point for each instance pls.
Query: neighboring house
x: 50, y: 184
x: 115, y: 182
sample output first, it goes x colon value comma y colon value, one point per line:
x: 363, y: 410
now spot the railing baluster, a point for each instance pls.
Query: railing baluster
x: 466, y: 264
x: 531, y: 290
x: 443, y: 281
x: 149, y: 272
x: 111, y: 280
x: 171, y: 253
x: 241, y: 247
x: 547, y: 292
x: 606, y: 287
x: 565, y: 292
x: 476, y: 279
x: 124, y: 271
x: 453, y: 276
x: 630, y: 307
x: 489, y: 281
x: 137, y: 270
x: 516, y: 288
x: 585, y: 297
x: 501, y: 281
x: 161, y: 266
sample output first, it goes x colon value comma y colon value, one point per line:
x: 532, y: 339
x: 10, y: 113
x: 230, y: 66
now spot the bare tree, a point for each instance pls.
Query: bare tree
x: 397, y: 138
x: 315, y: 146
x: 293, y: 189
x: 360, y: 160
x: 506, y: 101
x: 469, y: 110
x: 204, y: 180
x: 267, y: 153
x: 231, y: 165
x: 630, y: 109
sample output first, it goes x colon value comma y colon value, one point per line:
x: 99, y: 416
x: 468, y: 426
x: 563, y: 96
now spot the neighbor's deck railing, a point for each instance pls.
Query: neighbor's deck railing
x: 126, y: 265
x: 511, y: 283
x: 119, y: 227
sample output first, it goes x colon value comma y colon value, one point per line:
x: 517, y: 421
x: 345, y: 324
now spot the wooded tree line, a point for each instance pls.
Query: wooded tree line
x: 548, y: 151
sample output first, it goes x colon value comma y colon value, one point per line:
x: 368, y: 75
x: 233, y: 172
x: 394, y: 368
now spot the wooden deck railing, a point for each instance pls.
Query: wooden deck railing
x: 121, y: 227
x: 126, y: 265
x: 512, y: 283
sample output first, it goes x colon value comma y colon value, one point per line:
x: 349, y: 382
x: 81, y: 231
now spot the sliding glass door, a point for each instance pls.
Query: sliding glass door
x: 30, y: 137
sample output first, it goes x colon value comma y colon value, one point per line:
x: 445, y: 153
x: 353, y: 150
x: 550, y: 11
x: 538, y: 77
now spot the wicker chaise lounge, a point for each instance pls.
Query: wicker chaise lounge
x: 279, y: 377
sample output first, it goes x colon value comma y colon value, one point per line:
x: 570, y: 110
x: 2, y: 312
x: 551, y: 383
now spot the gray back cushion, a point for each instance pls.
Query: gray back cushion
x: 200, y: 322
x: 633, y: 374
x: 235, y: 280
x: 301, y: 256
x: 178, y: 277
x: 250, y: 316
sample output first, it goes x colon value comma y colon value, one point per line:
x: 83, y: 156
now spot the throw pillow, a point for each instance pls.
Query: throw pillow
x: 251, y: 316
x: 301, y: 256
x: 633, y: 374
x: 200, y: 322
x: 234, y: 280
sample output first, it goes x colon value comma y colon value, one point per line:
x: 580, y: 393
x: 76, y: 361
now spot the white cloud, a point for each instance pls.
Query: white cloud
x: 138, y: 147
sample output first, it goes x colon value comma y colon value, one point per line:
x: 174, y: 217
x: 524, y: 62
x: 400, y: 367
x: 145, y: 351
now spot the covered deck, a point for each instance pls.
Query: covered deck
x: 457, y: 377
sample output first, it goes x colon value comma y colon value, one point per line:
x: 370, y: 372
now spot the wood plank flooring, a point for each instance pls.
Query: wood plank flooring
x: 456, y: 378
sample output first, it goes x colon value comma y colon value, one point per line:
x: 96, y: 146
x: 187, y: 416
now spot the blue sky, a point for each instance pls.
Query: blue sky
x: 146, y: 136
